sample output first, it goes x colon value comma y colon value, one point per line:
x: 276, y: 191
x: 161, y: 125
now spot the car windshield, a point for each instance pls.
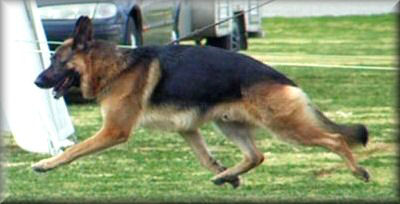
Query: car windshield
x: 73, y: 11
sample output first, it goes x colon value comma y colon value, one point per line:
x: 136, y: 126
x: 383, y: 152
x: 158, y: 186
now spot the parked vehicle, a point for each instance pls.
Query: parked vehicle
x: 232, y: 34
x: 127, y: 22
x: 143, y: 22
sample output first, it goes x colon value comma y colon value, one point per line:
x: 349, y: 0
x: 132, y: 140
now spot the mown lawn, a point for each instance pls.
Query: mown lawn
x: 159, y: 166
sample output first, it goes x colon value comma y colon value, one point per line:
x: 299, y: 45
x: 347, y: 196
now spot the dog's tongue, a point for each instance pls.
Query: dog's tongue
x: 73, y: 78
x: 61, y: 89
x: 58, y: 94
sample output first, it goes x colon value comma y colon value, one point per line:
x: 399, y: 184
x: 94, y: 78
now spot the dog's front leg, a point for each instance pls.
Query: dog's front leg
x: 116, y: 129
x: 103, y: 139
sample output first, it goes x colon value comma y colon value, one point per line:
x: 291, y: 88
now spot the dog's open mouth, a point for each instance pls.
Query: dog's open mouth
x: 62, y: 87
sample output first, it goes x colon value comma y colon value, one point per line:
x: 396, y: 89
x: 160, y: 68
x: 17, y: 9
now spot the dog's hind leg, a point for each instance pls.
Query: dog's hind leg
x: 241, y: 135
x: 286, y: 111
x: 199, y: 147
x: 340, y: 147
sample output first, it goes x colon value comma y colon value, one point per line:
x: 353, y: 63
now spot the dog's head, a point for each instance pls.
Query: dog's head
x: 68, y: 61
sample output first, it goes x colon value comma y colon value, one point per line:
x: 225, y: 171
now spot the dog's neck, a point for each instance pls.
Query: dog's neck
x: 114, y: 71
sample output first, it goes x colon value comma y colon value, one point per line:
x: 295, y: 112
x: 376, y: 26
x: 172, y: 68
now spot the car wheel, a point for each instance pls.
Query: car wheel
x: 224, y: 42
x: 229, y: 42
x: 235, y: 36
x: 239, y: 31
x: 133, y: 35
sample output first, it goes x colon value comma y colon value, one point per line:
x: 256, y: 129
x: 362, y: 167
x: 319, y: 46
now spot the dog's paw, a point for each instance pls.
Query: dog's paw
x: 233, y: 180
x: 41, y: 166
x: 362, y: 174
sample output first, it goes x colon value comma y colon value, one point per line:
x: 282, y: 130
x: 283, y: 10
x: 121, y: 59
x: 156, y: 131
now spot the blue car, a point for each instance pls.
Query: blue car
x: 126, y: 22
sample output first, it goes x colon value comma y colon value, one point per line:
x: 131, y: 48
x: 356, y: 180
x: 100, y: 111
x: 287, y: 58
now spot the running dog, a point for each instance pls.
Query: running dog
x: 179, y: 88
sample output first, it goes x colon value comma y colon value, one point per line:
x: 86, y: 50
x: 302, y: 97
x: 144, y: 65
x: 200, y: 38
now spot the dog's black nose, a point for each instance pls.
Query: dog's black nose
x: 38, y: 82
x: 41, y: 83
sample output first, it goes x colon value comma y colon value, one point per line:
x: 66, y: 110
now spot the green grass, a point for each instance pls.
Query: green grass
x: 358, y: 40
x: 159, y: 166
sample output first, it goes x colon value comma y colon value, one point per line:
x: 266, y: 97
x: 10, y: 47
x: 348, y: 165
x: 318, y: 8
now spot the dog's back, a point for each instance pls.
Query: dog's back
x: 204, y: 76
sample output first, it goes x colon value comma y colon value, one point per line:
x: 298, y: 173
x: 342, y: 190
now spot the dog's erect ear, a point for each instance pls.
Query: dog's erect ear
x: 83, y: 33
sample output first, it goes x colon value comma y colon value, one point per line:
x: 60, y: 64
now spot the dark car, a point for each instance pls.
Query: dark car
x: 127, y: 22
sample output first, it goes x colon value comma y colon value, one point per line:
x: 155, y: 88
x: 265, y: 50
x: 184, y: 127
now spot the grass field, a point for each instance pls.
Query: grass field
x: 159, y: 166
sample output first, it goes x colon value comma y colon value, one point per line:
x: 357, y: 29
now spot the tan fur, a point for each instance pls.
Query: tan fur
x: 286, y: 111
x: 233, y: 111
x: 170, y: 118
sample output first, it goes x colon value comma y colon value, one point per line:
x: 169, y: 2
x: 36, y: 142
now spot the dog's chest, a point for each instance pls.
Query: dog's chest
x: 171, y: 119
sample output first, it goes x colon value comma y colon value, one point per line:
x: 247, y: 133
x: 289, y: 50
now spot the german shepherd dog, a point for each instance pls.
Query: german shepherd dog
x: 179, y: 88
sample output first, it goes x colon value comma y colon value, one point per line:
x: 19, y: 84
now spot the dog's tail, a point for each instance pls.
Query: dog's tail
x: 354, y: 134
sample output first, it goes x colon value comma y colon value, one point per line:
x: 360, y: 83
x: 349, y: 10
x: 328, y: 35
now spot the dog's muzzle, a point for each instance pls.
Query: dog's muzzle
x: 62, y: 83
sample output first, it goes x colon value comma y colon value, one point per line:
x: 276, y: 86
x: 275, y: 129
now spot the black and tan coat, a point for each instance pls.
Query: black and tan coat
x: 179, y: 88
